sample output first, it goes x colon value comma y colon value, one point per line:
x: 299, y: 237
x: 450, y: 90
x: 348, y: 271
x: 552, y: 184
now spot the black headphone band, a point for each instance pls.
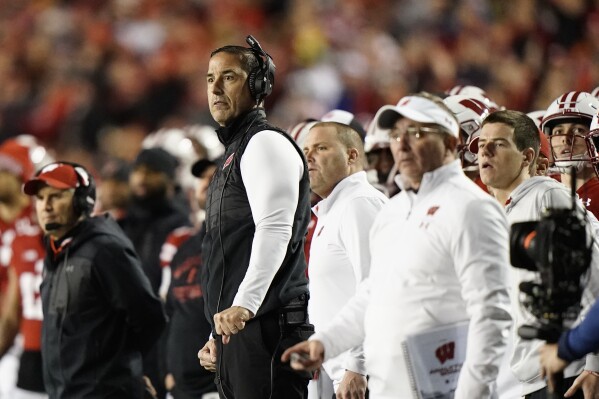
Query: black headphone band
x: 261, y: 80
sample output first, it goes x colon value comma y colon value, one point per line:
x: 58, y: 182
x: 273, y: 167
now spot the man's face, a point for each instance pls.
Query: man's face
x: 228, y: 91
x: 567, y: 141
x: 416, y: 151
x: 202, y: 184
x: 148, y: 183
x: 380, y: 160
x: 499, y: 160
x: 54, y: 208
x: 113, y: 194
x: 328, y: 159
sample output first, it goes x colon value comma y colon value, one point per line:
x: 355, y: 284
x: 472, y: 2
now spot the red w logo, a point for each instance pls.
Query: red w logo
x: 432, y: 210
x: 476, y: 105
x: 228, y: 161
x: 445, y: 352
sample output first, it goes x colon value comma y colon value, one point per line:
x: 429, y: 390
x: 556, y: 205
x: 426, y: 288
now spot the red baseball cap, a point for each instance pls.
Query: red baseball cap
x: 57, y: 175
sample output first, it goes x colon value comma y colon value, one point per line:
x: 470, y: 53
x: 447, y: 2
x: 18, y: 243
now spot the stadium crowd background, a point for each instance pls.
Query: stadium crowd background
x: 91, y: 78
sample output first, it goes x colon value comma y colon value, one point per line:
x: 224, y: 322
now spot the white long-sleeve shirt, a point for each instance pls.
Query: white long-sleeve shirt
x: 271, y: 169
x: 340, y: 259
x: 527, y: 203
x: 438, y: 257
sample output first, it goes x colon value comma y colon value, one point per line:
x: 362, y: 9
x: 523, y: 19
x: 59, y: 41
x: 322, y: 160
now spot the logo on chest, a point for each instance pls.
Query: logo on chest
x: 428, y: 217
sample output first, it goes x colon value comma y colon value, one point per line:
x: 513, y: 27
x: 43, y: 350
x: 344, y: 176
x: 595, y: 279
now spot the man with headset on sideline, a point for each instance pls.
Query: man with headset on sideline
x: 100, y: 313
x: 257, y: 213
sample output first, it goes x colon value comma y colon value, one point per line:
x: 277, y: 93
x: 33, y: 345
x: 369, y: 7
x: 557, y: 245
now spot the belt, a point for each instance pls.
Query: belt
x: 296, y: 311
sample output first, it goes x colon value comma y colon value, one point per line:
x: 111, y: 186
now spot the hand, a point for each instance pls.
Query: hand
x: 150, y: 391
x: 352, y: 386
x: 231, y: 321
x: 589, y: 383
x: 309, y: 355
x: 550, y: 364
x: 207, y: 356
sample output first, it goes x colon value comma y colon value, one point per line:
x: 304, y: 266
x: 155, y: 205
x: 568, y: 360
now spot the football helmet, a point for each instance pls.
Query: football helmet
x: 474, y: 92
x: 570, y: 148
x: 592, y: 142
x: 470, y: 113
x: 537, y: 117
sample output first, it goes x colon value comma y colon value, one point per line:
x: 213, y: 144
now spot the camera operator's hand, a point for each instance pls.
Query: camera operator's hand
x: 589, y: 382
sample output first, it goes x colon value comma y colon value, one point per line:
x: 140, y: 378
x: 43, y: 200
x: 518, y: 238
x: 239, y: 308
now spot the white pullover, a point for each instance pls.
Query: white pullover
x: 340, y: 259
x: 438, y: 257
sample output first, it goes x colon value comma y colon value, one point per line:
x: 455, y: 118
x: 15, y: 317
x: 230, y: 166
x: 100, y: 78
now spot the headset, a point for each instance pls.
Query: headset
x: 262, y: 78
x: 84, y: 197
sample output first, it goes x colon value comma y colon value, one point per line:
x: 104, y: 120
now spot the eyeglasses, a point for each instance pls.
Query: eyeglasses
x: 412, y: 132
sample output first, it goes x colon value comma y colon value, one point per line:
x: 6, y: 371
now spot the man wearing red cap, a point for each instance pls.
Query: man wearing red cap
x: 100, y: 313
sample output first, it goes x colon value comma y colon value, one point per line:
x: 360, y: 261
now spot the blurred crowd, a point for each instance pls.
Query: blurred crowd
x: 91, y: 79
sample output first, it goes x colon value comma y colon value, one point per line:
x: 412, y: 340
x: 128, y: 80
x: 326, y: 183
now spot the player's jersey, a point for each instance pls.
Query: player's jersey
x: 589, y: 195
x: 24, y: 224
x: 28, y: 260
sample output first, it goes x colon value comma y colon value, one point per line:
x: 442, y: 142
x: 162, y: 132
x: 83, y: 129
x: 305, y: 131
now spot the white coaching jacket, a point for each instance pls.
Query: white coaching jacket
x: 340, y: 258
x: 438, y: 257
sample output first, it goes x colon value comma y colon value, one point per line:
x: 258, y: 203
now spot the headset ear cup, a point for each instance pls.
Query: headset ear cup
x: 252, y: 83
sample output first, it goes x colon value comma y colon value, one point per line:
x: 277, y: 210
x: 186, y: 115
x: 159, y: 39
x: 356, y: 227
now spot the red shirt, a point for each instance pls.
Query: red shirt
x: 589, y: 194
x: 24, y: 224
x: 28, y: 262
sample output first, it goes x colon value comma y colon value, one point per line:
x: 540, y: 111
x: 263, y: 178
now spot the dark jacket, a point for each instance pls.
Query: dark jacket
x: 100, y: 314
x: 230, y: 227
x: 147, y: 225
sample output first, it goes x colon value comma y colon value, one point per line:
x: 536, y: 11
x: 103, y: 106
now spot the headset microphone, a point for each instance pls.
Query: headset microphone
x: 53, y: 226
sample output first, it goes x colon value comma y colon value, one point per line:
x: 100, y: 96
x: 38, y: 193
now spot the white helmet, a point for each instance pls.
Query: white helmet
x: 299, y: 132
x: 187, y: 145
x: 474, y: 92
x: 592, y: 141
x: 537, y: 117
x: 571, y: 106
x: 470, y: 113
x: 376, y: 137
x: 595, y: 92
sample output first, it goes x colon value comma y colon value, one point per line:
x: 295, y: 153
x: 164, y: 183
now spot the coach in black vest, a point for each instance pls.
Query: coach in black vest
x: 257, y: 213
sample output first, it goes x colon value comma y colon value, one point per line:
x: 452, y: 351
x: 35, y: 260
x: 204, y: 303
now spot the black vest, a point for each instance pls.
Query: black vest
x: 230, y: 227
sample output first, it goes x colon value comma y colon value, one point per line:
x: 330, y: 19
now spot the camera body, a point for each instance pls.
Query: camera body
x: 558, y: 249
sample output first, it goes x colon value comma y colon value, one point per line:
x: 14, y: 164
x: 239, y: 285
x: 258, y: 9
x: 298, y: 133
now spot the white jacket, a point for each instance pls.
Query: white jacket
x: 340, y: 258
x: 438, y: 257
x: 527, y: 203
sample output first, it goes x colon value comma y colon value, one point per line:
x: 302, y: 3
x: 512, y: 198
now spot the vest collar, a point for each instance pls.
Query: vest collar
x: 240, y: 125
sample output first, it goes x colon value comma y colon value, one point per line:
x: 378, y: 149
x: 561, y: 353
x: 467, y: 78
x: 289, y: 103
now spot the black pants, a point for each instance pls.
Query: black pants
x: 249, y: 366
x: 544, y: 393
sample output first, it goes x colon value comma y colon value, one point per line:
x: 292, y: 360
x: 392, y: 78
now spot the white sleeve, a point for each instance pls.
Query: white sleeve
x: 346, y: 330
x: 355, y: 230
x: 481, y: 262
x: 271, y: 169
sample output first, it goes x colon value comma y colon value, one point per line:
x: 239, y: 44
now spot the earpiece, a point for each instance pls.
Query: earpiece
x: 84, y: 197
x: 261, y: 79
